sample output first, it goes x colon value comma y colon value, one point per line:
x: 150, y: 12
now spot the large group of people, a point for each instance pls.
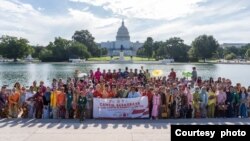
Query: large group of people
x: 168, y: 96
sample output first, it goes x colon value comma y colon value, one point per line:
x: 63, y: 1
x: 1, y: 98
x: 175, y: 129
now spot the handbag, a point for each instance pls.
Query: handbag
x: 222, y: 107
x: 164, y: 113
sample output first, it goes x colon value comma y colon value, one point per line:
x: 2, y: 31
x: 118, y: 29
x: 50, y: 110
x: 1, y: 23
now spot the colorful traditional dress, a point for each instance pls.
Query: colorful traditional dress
x: 13, y: 104
x: 196, y: 104
x: 61, y: 99
x: 156, y: 105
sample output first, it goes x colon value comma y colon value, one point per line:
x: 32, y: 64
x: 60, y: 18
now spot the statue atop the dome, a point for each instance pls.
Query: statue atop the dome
x: 122, y: 22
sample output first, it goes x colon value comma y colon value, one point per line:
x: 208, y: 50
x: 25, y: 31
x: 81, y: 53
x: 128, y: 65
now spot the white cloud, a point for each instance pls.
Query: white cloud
x: 217, y: 19
x: 22, y: 20
x: 40, y: 9
x: 147, y: 9
x: 183, y: 18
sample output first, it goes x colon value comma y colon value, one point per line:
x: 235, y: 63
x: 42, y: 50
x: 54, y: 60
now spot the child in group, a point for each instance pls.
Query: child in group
x: 156, y: 104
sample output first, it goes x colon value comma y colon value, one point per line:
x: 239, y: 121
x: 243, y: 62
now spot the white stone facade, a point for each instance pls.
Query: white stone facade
x: 122, y: 42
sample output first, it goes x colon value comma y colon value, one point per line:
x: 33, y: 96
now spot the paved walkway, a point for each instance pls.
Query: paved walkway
x: 97, y: 130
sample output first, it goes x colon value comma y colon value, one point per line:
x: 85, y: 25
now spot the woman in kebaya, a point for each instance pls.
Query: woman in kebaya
x: 243, y: 102
x: 211, y: 102
x: 156, y: 104
x: 221, y: 102
x: 196, y: 102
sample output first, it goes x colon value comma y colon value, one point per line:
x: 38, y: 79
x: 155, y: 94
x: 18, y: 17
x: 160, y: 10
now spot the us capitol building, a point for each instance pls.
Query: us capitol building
x: 122, y: 43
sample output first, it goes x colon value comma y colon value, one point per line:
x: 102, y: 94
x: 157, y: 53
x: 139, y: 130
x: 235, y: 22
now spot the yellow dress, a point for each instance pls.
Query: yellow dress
x: 196, y: 99
x: 211, y: 101
x: 53, y: 99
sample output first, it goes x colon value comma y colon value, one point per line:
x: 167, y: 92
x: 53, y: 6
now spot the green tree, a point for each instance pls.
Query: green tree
x: 141, y: 52
x: 104, y: 51
x: 192, y: 55
x: 78, y: 50
x: 243, y: 50
x: 13, y: 47
x: 148, y: 47
x: 219, y: 53
x: 37, y: 49
x: 247, y: 54
x: 86, y: 38
x: 176, y: 49
x: 161, y: 52
x: 230, y: 56
x: 59, y: 49
x: 156, y: 47
x: 233, y: 49
x: 46, y: 55
x: 205, y: 46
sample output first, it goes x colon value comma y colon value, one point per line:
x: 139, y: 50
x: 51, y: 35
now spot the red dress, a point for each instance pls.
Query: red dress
x: 97, y: 94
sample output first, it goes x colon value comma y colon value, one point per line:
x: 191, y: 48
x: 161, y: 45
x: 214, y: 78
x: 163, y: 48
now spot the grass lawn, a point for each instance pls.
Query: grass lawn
x: 108, y: 58
x: 209, y: 60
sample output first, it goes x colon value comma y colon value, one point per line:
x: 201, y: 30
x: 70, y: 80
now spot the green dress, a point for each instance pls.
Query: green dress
x: 69, y: 101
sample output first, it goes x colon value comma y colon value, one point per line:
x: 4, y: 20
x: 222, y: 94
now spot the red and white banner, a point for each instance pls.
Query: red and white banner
x: 121, y: 108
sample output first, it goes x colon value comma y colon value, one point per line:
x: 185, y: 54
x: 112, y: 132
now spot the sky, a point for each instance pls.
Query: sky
x: 40, y: 21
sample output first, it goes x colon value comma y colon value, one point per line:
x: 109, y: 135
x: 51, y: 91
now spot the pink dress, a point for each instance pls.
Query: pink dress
x: 156, y: 104
x: 98, y: 75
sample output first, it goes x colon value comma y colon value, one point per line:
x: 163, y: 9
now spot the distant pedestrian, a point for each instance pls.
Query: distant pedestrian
x: 194, y: 74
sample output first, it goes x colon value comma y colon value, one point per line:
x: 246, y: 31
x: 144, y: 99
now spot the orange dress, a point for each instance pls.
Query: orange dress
x: 110, y: 94
x: 61, y: 99
x: 14, y: 98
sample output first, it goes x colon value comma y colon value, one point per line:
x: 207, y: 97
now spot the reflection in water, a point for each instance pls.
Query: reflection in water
x: 27, y: 73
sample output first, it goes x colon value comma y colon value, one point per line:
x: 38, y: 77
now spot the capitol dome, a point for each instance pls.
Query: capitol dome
x: 122, y: 33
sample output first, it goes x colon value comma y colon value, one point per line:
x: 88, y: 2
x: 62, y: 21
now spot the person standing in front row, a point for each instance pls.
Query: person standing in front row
x: 82, y: 101
x: 53, y: 103
x: 196, y: 102
x: 89, y: 105
x: 46, y: 103
x: 211, y: 102
x: 13, y: 103
x: 156, y: 104
x: 69, y: 104
x: 61, y: 102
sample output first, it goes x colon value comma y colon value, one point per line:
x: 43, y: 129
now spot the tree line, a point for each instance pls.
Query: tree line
x: 82, y: 46
x: 203, y: 47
